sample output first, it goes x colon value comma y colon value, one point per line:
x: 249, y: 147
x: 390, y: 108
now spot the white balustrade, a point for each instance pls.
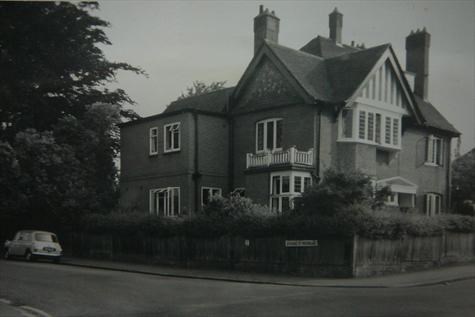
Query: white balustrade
x: 289, y: 156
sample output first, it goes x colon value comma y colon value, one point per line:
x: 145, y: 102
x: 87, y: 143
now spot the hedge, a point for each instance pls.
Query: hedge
x: 370, y: 224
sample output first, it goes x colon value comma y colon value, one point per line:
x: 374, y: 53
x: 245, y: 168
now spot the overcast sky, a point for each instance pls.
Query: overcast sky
x: 178, y: 42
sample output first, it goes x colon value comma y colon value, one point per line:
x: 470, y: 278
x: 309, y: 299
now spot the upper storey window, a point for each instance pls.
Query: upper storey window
x: 435, y: 151
x: 172, y: 137
x: 269, y: 135
x: 153, y: 141
x: 370, y: 125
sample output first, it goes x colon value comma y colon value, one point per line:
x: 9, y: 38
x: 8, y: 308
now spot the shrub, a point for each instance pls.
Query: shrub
x: 233, y: 207
x: 337, y: 191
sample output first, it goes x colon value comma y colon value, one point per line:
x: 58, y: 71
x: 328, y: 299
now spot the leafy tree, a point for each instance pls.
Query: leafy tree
x: 52, y: 65
x: 463, y: 182
x: 58, y: 119
x: 200, y: 88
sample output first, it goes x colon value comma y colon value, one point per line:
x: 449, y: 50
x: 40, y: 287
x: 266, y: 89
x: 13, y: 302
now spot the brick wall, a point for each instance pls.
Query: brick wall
x: 409, y: 163
x: 297, y: 130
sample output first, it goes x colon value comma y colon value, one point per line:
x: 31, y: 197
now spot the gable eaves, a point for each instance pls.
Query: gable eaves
x: 390, y: 55
x: 266, y: 51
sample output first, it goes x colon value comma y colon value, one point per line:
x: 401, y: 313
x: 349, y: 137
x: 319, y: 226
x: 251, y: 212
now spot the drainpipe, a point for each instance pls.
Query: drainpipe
x: 196, y: 174
x: 231, y: 154
x: 317, y: 121
x: 448, y: 180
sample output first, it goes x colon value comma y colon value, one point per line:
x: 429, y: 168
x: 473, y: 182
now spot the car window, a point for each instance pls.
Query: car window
x: 45, y: 237
x: 17, y: 236
x: 27, y: 236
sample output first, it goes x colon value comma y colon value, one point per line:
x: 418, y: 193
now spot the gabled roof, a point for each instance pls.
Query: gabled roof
x: 309, y: 70
x: 334, y: 79
x: 347, y: 72
x: 215, y: 101
x: 433, y: 118
x: 326, y: 48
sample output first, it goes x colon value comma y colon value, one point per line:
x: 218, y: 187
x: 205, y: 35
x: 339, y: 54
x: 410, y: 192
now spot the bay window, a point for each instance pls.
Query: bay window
x: 285, y: 186
x: 269, y: 135
x: 369, y: 125
x: 165, y: 201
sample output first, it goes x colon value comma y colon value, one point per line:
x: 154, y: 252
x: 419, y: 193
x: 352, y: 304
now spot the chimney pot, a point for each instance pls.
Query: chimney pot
x: 261, y: 9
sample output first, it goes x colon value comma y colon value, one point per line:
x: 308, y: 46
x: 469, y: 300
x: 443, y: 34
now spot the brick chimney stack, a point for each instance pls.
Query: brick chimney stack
x: 417, y: 60
x: 336, y: 25
x: 266, y: 28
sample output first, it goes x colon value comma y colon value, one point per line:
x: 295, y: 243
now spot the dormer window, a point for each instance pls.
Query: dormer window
x: 369, y: 125
x: 269, y: 135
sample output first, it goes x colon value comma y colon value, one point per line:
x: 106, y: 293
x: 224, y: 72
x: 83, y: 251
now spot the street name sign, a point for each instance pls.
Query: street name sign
x: 301, y: 243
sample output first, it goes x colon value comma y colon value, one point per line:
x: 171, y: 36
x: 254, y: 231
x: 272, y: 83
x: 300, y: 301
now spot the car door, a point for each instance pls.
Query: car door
x: 13, y: 249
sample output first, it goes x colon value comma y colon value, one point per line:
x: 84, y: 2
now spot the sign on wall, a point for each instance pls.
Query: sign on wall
x: 301, y: 243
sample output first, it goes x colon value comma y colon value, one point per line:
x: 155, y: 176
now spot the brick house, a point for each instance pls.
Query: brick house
x: 293, y: 114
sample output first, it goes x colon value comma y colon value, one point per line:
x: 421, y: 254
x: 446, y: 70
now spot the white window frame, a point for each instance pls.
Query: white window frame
x: 433, y: 144
x: 266, y: 147
x: 167, y: 128
x: 392, y: 199
x: 169, y: 206
x: 433, y: 204
x: 210, y: 193
x: 153, y: 140
x: 395, y: 121
x: 291, y: 194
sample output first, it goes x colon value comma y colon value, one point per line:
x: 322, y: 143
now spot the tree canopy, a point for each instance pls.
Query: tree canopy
x: 199, y: 88
x: 463, y: 182
x: 58, y: 118
x: 52, y: 65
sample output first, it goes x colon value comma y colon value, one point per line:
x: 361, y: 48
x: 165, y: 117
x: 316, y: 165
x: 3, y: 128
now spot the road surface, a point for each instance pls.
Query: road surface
x: 62, y: 290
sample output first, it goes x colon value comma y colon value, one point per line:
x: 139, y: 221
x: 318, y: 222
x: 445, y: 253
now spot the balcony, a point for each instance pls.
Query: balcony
x: 292, y: 156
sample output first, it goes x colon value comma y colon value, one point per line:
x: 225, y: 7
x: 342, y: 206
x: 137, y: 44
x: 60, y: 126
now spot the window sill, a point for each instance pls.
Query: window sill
x: 171, y: 151
x: 378, y: 145
x: 432, y: 164
x: 152, y: 154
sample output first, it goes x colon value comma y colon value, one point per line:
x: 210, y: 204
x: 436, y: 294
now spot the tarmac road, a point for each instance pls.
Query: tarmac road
x: 61, y: 290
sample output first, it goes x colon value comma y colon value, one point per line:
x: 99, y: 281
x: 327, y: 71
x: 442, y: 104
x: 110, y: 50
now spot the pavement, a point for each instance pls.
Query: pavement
x: 441, y: 275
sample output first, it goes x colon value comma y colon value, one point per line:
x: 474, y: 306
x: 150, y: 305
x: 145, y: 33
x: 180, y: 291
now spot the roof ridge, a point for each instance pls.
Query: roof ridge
x: 204, y: 94
x: 329, y: 39
x: 361, y: 51
x: 294, y: 50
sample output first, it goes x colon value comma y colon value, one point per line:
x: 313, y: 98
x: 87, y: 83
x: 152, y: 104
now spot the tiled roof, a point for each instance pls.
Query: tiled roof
x: 215, y: 101
x: 309, y: 70
x: 326, y: 48
x: 433, y: 117
x: 334, y: 79
x: 347, y: 72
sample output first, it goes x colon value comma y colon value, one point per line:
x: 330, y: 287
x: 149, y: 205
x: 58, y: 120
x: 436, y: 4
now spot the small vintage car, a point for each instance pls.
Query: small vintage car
x: 33, y: 244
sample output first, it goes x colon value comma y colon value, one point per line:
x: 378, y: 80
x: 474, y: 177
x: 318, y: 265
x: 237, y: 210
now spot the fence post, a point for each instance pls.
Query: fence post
x: 354, y: 256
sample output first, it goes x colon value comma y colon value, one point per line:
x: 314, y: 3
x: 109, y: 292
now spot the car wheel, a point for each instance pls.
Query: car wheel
x: 57, y: 260
x: 28, y: 256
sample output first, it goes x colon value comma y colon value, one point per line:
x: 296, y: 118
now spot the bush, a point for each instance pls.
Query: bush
x: 240, y: 217
x: 337, y: 191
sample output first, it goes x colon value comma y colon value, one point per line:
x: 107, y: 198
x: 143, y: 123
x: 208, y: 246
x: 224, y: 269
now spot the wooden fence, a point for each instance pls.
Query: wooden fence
x: 331, y: 257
